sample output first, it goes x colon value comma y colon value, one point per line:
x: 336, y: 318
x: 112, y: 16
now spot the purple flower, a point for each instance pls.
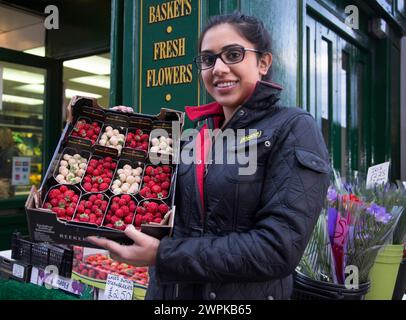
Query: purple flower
x: 332, y: 220
x: 379, y: 213
x: 348, y: 187
x: 331, y: 195
x: 385, y: 218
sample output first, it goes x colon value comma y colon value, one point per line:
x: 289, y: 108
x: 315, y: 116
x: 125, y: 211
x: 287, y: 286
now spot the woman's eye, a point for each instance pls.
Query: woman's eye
x: 206, y: 59
x: 233, y: 55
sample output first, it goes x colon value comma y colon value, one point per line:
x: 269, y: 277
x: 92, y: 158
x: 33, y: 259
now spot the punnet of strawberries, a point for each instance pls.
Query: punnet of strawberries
x: 121, y: 212
x: 92, y: 209
x: 99, y: 266
x: 86, y: 130
x: 99, y: 173
x: 137, y: 140
x: 156, y: 182
x: 150, y: 211
x: 62, y: 200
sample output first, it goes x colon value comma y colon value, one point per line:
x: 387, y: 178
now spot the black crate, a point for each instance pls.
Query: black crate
x: 42, y: 255
x: 9, y: 267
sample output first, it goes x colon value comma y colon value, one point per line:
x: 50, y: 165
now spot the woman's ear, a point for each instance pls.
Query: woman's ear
x: 265, y: 62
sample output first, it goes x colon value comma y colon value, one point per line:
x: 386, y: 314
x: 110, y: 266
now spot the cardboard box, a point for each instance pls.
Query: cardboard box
x: 45, y: 226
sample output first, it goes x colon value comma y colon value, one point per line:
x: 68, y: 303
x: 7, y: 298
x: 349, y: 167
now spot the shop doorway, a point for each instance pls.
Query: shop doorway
x: 337, y: 73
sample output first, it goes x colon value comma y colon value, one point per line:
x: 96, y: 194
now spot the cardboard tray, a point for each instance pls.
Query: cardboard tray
x: 43, y: 224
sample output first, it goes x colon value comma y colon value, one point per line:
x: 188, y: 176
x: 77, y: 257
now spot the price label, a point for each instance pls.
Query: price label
x: 34, y: 275
x: 18, y: 271
x: 378, y: 174
x: 118, y: 288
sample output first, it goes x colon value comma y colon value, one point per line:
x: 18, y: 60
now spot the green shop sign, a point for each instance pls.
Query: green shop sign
x: 169, y: 33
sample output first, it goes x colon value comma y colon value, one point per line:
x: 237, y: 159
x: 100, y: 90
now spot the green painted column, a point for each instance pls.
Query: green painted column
x: 116, y: 51
x: 281, y: 19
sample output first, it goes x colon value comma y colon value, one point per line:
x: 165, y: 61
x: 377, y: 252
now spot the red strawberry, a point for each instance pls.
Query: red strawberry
x: 125, y: 210
x: 129, y: 219
x: 156, y: 189
x: 140, y: 210
x: 84, y: 217
x: 145, y: 192
x: 165, y: 185
x: 70, y: 211
x: 163, y: 208
x: 166, y: 169
x: 87, y: 187
x: 103, y: 186
x: 114, y: 219
x: 119, y: 213
x: 120, y: 225
x: 152, y: 207
x: 149, y: 170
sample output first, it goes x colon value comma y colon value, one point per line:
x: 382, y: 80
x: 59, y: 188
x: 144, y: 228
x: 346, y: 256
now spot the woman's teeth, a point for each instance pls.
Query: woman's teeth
x: 225, y: 84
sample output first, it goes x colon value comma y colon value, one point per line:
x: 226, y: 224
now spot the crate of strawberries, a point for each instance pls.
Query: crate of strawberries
x: 92, y: 267
x: 101, y: 178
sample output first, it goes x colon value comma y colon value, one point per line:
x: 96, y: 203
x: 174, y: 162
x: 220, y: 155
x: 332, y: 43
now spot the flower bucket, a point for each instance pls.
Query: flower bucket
x: 400, y: 287
x: 384, y: 272
x: 305, y: 288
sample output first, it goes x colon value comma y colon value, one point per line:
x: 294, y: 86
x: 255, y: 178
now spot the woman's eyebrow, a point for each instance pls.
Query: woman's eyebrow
x: 224, y: 48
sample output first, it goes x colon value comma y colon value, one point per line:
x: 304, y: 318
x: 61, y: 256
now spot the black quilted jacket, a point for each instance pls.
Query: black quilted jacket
x: 253, y: 229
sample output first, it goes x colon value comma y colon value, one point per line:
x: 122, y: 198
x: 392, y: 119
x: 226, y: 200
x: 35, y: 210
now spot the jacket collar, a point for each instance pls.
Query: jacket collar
x: 263, y: 95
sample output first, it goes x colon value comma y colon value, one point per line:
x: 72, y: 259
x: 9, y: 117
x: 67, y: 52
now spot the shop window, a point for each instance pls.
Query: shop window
x: 325, y: 87
x: 401, y: 7
x: 21, y: 127
x: 345, y: 94
x: 88, y: 76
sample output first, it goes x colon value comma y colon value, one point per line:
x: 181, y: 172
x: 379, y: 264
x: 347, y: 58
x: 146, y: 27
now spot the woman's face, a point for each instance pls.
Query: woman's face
x: 231, y: 84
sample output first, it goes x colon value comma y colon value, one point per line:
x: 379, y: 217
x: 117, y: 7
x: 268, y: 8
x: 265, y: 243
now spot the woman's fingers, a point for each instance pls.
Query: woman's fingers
x: 106, y: 244
x: 133, y: 234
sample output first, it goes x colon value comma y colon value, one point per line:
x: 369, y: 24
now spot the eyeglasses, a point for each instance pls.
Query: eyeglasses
x: 228, y: 56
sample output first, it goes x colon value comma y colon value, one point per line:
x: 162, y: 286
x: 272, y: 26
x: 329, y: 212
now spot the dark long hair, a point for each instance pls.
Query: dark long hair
x: 248, y: 27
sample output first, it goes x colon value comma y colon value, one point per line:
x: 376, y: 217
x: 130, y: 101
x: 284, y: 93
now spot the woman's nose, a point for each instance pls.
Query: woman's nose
x: 220, y: 67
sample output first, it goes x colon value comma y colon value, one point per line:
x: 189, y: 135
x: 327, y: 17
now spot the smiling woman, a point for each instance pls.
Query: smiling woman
x: 237, y: 235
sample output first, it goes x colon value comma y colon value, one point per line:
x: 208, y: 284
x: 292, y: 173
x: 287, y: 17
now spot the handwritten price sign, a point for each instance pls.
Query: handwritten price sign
x: 118, y: 288
x: 378, y: 174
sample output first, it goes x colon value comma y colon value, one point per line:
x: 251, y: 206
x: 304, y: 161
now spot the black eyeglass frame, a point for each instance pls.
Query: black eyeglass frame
x: 218, y: 55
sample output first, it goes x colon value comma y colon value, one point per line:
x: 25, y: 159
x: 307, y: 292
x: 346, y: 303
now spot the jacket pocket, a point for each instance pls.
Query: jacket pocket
x: 311, y: 160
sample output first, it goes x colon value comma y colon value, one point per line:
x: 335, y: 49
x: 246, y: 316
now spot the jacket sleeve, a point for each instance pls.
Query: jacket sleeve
x: 294, y: 190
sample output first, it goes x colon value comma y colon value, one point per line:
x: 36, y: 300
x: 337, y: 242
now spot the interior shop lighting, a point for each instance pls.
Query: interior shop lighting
x: 69, y: 93
x: 22, y: 76
x: 21, y: 100
x: 40, y: 51
x: 94, y: 64
x: 33, y: 88
x: 95, y: 81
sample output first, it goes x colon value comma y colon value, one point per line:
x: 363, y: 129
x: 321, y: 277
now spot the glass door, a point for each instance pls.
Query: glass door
x: 336, y: 85
x: 30, y: 113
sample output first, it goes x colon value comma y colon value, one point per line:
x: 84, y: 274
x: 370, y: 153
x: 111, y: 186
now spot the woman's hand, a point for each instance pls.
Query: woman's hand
x: 140, y: 254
